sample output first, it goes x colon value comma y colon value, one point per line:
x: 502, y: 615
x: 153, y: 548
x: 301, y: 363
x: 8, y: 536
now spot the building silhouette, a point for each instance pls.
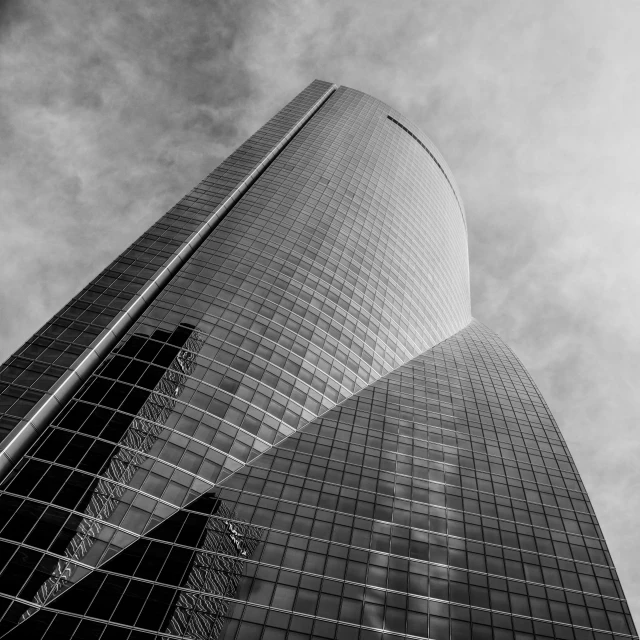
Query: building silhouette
x: 273, y: 416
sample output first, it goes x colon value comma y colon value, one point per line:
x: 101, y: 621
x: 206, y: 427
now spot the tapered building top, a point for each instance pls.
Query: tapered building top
x: 273, y: 416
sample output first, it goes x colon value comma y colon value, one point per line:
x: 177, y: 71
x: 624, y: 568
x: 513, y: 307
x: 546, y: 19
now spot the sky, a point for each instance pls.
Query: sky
x: 110, y: 111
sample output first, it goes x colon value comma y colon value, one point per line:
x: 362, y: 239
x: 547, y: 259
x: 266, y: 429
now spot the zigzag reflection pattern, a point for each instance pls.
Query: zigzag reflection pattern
x: 138, y: 440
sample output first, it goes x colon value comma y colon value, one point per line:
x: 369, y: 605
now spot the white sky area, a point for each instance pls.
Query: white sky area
x: 110, y: 111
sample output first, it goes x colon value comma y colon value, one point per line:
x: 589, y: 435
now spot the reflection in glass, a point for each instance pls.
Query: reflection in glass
x: 137, y: 440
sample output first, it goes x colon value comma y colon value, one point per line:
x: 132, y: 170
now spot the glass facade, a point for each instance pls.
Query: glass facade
x: 273, y: 416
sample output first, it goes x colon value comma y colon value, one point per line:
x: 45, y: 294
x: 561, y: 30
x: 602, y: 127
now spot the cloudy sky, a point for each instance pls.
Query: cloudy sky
x: 110, y: 111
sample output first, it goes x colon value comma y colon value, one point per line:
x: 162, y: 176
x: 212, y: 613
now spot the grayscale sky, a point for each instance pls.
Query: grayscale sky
x: 111, y: 110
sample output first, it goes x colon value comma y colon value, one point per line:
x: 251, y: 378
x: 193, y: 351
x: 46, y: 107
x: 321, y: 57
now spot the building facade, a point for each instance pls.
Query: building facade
x: 273, y: 416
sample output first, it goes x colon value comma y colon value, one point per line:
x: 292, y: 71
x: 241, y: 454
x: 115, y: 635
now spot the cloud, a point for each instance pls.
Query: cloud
x: 110, y: 111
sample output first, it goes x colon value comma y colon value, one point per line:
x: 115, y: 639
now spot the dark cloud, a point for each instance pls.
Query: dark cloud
x: 110, y: 111
x: 12, y: 12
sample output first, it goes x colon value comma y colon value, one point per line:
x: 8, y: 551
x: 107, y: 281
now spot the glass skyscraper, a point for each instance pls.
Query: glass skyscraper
x: 273, y: 416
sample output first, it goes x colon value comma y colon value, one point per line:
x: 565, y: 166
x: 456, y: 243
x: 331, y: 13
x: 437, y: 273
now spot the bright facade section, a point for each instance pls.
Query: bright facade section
x: 274, y: 417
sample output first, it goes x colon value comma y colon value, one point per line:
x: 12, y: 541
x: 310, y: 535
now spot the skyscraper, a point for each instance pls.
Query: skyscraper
x: 273, y: 416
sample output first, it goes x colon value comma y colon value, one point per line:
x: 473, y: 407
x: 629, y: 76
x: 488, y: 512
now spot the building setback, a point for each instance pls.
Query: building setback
x: 273, y: 416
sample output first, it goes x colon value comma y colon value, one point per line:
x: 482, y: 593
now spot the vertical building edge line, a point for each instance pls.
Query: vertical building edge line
x: 17, y: 442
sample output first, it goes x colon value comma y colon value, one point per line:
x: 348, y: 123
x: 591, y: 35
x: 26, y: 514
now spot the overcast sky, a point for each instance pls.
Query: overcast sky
x: 110, y: 111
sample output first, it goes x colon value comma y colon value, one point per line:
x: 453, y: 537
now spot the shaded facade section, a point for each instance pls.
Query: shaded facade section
x: 167, y: 378
x: 170, y: 583
x: 98, y: 489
